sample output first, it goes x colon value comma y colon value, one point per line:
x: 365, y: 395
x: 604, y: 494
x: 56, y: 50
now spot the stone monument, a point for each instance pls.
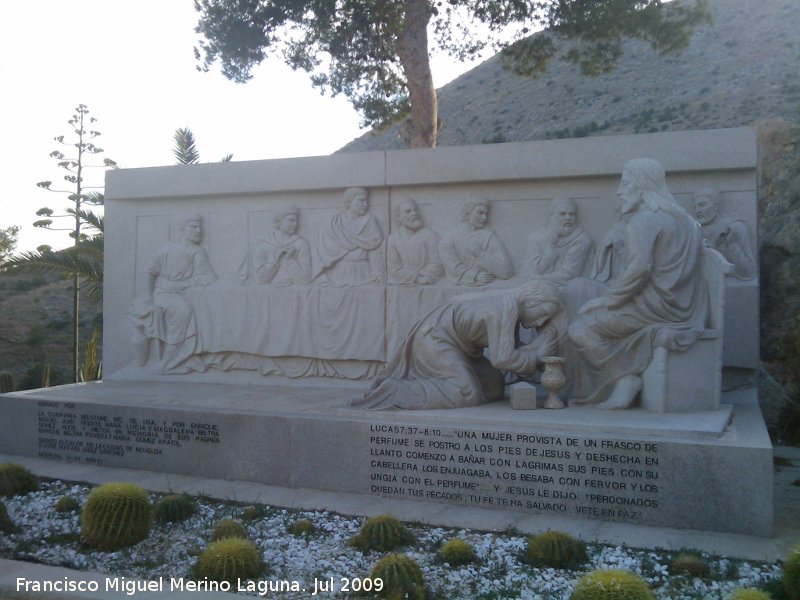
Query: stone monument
x: 398, y: 279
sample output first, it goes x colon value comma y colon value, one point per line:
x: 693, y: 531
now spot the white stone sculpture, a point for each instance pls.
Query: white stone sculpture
x: 348, y: 250
x: 453, y: 356
x: 282, y: 257
x: 559, y: 252
x: 729, y: 236
x: 473, y: 254
x: 412, y: 251
x: 164, y: 315
x: 660, y: 299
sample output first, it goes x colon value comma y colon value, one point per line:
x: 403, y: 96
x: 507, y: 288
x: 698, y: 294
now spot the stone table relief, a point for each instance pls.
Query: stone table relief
x: 348, y: 250
x: 473, y: 254
x: 659, y: 300
x: 559, y: 252
x: 453, y: 356
x: 165, y: 315
x: 729, y: 236
x: 282, y: 257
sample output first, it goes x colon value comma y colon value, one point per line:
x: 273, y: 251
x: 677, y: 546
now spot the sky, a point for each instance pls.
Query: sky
x: 132, y: 65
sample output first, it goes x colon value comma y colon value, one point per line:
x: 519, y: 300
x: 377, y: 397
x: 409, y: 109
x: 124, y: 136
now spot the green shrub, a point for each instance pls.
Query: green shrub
x: 67, y: 504
x: 555, y: 549
x: 116, y: 515
x: 174, y: 508
x: 252, y: 513
x: 6, y: 525
x: 402, y: 578
x: 228, y: 528
x: 748, y: 594
x: 228, y: 560
x: 791, y: 573
x: 382, y: 533
x: 611, y: 585
x: 16, y: 480
x: 301, y: 527
x: 456, y: 552
x: 689, y: 564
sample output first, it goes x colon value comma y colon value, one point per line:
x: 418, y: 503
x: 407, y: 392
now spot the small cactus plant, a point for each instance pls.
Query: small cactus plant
x: 689, y: 564
x: 555, y: 549
x: 6, y: 525
x: 67, y: 504
x: 228, y: 528
x: 173, y: 508
x: 749, y: 594
x: 16, y: 480
x: 456, y: 552
x: 229, y: 560
x: 116, y: 515
x: 7, y: 383
x: 382, y: 533
x: 252, y: 513
x: 301, y: 527
x: 791, y: 574
x: 402, y: 577
x: 611, y: 585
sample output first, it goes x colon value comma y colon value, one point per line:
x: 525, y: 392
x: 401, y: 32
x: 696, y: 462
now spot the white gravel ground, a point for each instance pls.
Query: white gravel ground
x: 51, y: 538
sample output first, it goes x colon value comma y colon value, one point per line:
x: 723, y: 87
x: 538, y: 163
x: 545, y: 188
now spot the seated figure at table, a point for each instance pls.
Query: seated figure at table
x: 349, y: 250
x: 473, y: 254
x: 660, y: 298
x: 559, y: 252
x: 729, y: 236
x: 455, y: 355
x: 281, y: 258
x: 164, y: 314
x: 412, y: 251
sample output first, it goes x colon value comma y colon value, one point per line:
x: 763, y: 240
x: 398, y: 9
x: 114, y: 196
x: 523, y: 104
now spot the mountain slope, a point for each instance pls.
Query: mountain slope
x: 737, y: 71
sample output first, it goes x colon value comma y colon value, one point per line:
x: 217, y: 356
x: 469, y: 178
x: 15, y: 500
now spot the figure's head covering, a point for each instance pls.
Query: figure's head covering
x: 649, y: 177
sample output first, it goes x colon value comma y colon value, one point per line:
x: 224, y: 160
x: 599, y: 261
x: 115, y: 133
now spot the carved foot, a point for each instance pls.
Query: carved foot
x: 624, y: 393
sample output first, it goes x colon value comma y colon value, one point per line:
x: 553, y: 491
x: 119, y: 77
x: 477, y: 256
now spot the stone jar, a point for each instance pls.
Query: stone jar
x: 553, y: 380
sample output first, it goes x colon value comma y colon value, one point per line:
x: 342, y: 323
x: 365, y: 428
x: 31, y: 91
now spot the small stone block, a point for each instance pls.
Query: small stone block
x: 523, y: 396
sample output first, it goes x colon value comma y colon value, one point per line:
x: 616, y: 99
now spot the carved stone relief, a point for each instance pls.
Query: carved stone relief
x: 349, y: 251
x: 729, y: 236
x: 472, y: 253
x: 560, y: 251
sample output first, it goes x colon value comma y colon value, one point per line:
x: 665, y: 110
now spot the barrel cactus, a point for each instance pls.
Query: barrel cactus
x: 7, y: 383
x: 791, y: 574
x: 456, y: 552
x: 611, y: 585
x: 382, y: 533
x: 174, y: 508
x: 555, y: 549
x: 401, y: 576
x: 228, y: 528
x: 6, y: 525
x: 16, y: 480
x: 748, y: 594
x: 252, y: 513
x: 689, y: 564
x: 116, y: 515
x: 301, y: 527
x: 229, y: 560
x: 67, y: 504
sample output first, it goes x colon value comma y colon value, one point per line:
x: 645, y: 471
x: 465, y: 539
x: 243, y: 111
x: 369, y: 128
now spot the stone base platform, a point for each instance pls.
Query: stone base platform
x: 703, y: 471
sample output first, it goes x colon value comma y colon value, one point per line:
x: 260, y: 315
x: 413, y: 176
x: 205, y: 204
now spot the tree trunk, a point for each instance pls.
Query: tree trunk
x: 412, y: 49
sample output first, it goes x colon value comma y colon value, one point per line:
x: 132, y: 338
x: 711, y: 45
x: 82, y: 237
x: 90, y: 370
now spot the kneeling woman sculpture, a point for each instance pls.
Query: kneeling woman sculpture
x: 441, y: 363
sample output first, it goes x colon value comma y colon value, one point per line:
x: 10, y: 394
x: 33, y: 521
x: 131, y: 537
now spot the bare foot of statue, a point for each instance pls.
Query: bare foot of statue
x: 623, y: 394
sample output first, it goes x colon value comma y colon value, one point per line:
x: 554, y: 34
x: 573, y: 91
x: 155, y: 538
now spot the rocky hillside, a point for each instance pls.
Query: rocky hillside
x: 36, y: 328
x: 740, y: 69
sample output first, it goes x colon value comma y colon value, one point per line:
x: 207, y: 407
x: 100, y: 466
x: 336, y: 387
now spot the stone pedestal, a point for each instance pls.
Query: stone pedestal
x: 705, y: 470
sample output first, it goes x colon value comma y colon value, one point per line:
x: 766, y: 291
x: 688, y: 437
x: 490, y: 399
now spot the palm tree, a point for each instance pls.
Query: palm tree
x: 84, y: 258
